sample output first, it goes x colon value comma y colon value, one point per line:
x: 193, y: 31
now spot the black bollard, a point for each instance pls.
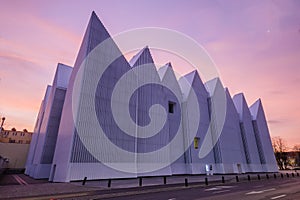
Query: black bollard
x: 281, y: 175
x: 237, y: 178
x: 223, y: 179
x: 275, y: 176
x: 140, y: 181
x: 287, y: 175
x: 249, y: 178
x: 267, y: 175
x: 186, y: 182
x: 109, y: 183
x: 297, y: 174
x: 293, y: 175
x: 84, y: 180
x: 258, y: 176
x: 206, y: 181
x: 165, y: 180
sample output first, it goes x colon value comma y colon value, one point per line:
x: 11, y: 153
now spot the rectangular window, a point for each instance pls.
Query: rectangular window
x: 196, y: 142
x: 171, y: 107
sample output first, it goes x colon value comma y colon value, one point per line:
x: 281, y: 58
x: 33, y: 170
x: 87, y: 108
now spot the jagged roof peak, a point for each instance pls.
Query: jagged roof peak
x: 190, y: 76
x: 95, y: 33
x: 255, y: 107
x: 212, y: 84
x: 142, y: 57
x: 163, y: 70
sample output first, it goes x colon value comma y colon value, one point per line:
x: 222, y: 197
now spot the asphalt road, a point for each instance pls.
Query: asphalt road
x: 23, y: 187
x: 266, y: 189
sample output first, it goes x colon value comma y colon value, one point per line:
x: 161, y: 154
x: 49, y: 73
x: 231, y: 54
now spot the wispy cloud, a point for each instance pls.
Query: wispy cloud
x: 275, y: 121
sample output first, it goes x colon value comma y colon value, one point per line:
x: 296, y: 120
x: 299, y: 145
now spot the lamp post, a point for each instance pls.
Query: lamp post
x: 3, y: 119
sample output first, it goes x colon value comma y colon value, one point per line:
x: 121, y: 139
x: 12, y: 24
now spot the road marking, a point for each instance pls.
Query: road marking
x: 212, y: 189
x: 280, y: 196
x: 219, y: 187
x: 226, y: 186
x: 260, y: 191
x: 221, y: 191
x: 20, y: 180
x: 17, y: 179
x: 172, y: 199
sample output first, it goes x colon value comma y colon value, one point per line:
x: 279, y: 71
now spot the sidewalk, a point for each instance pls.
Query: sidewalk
x: 152, y: 181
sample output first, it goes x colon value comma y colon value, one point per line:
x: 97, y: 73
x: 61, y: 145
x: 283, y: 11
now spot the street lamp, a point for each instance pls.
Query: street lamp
x: 3, y: 119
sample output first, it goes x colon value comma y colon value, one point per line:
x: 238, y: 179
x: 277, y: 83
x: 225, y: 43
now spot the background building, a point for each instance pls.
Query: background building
x: 14, y: 136
x: 14, y: 146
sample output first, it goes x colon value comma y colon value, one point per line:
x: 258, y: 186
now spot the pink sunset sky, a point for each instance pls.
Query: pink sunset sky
x: 255, y: 44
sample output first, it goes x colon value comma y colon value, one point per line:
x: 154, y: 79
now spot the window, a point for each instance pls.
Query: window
x: 196, y: 142
x: 171, y: 107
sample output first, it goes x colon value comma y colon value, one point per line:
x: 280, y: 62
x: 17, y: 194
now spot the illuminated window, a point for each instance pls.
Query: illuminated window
x: 196, y: 142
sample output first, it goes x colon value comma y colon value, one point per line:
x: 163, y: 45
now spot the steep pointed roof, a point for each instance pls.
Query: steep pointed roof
x: 240, y: 104
x: 255, y: 108
x: 142, y: 57
x: 191, y: 80
x: 229, y: 99
x: 231, y: 102
x: 238, y: 100
x: 186, y: 82
x: 47, y: 93
x: 227, y: 91
x: 191, y: 76
x: 95, y: 34
x: 62, y: 75
x: 163, y: 70
x: 168, y: 77
x: 213, y: 84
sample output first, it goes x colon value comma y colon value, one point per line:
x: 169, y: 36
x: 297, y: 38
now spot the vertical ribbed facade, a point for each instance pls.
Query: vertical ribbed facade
x: 29, y: 168
x: 248, y: 134
x: 263, y: 138
x: 45, y: 135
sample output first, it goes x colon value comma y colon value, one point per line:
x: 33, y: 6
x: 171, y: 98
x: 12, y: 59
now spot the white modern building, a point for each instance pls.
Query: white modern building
x: 113, y: 118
